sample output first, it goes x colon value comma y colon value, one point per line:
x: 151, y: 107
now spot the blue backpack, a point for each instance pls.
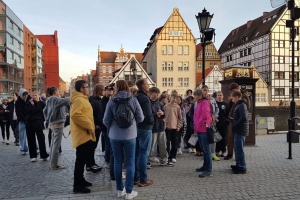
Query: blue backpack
x: 124, y: 114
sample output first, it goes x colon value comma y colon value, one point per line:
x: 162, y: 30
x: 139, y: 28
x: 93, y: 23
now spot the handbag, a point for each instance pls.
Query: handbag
x: 217, y: 135
x: 193, y: 140
x: 210, y: 135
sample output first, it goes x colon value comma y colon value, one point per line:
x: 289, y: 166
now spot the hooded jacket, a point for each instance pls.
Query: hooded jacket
x: 115, y: 132
x: 4, y: 115
x: 202, y: 115
x: 54, y: 112
x: 81, y: 120
x: 240, y: 123
x: 159, y: 124
x: 20, y: 106
x: 34, y: 112
x: 145, y: 104
x: 97, y: 110
x: 12, y: 109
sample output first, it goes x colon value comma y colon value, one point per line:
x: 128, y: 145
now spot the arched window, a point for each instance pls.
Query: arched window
x: 104, y: 69
x: 110, y: 78
x: 104, y: 79
x: 109, y: 70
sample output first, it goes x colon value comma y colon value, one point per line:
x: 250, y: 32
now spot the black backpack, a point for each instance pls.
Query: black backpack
x: 124, y: 114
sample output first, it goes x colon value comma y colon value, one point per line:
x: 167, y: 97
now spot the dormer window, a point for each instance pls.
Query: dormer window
x: 230, y: 45
x: 244, y: 39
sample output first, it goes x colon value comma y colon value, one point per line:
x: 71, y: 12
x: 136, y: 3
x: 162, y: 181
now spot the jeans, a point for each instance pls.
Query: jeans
x: 5, y: 129
x: 119, y: 147
x: 55, y: 144
x: 143, y: 145
x: 107, y: 145
x: 22, y: 137
x: 172, y: 143
x: 35, y: 128
x: 239, y: 143
x: 15, y: 128
x: 91, y: 157
x: 160, y: 139
x: 202, y: 137
x: 82, y: 152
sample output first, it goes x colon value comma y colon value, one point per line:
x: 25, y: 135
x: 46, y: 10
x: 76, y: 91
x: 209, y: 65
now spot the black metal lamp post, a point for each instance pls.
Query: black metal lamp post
x: 207, y: 34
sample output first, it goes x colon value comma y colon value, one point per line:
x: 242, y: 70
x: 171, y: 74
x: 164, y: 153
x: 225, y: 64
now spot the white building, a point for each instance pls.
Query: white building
x: 213, y: 76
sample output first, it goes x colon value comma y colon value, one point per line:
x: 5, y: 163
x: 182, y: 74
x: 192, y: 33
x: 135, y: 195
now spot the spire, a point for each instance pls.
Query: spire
x: 99, y: 54
x: 122, y: 52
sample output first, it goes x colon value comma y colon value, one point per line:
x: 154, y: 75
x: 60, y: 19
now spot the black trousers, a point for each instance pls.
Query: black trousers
x: 82, y: 153
x: 171, y: 143
x: 5, y: 129
x: 179, y: 135
x: 221, y: 146
x: 15, y: 128
x: 36, y: 128
x: 91, y: 158
x: 189, y: 132
x: 102, y: 142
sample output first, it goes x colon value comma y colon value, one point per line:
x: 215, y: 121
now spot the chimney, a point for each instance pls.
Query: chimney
x: 249, y: 23
x: 265, y: 14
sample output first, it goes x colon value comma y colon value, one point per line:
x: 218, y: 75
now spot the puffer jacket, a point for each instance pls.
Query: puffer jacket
x: 145, y: 104
x: 240, y: 123
x: 202, y: 115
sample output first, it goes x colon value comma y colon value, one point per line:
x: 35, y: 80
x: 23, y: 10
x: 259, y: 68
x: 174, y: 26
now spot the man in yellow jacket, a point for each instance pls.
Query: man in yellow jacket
x: 82, y: 132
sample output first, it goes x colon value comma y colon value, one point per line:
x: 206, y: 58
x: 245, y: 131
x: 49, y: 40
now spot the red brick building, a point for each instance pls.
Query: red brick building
x: 51, y: 59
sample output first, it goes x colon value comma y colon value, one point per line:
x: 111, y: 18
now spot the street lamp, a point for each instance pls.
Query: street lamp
x: 207, y: 34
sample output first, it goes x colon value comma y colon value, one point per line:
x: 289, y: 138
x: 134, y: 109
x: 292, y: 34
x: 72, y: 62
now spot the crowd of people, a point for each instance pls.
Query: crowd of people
x: 138, y: 125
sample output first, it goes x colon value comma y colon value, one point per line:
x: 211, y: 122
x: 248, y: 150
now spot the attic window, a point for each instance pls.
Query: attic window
x: 274, y: 16
x: 230, y: 45
x: 107, y: 60
x: 244, y: 39
x: 264, y: 21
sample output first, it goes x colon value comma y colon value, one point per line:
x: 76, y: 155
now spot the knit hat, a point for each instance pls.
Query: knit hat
x: 4, y: 98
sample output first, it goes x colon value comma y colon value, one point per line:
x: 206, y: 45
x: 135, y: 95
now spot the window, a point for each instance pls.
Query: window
x: 209, y: 53
x: 186, y: 50
x: 230, y: 57
x: 180, y: 82
x: 170, y: 66
x: 245, y: 52
x: 110, y: 79
x: 296, y: 61
x: 109, y: 69
x: 296, y: 92
x: 180, y: 66
x: 164, y: 50
x: 11, y: 40
x: 186, y: 66
x: 279, y: 59
x: 216, y: 81
x: 296, y: 76
x: 175, y: 33
x: 241, y: 54
x: 170, y: 50
x: 10, y: 25
x: 20, y: 32
x: 20, y: 46
x: 263, y: 97
x: 249, y: 51
x: 164, y: 66
x: 244, y: 39
x: 227, y: 58
x: 279, y: 91
x: 12, y: 55
x: 278, y: 43
x: 186, y: 82
x: 230, y: 45
x: 296, y: 46
x: 199, y: 65
x: 3, y: 11
x: 180, y: 50
x: 170, y: 82
x: 257, y: 97
x: 104, y: 69
x: 279, y: 75
x: 104, y: 79
x: 211, y: 64
x: 249, y: 63
x: 165, y: 82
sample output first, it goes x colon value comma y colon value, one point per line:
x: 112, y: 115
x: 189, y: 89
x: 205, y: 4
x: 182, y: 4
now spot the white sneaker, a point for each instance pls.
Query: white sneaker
x: 179, y: 152
x: 194, y: 150
x: 190, y: 150
x: 23, y: 152
x: 173, y: 160
x: 33, y: 160
x: 7, y: 142
x: 154, y: 159
x: 121, y: 193
x: 131, y: 195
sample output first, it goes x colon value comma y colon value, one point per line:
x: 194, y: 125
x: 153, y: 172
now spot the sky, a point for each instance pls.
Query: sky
x: 82, y: 25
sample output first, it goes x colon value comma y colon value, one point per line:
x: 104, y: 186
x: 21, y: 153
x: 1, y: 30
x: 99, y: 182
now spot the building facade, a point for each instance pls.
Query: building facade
x: 109, y: 62
x: 212, y: 77
x: 170, y: 55
x: 212, y: 57
x: 265, y: 43
x: 11, y: 51
x: 62, y: 87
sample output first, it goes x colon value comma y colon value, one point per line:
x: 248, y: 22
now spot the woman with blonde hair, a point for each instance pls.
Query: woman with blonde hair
x: 34, y: 127
x: 123, y: 140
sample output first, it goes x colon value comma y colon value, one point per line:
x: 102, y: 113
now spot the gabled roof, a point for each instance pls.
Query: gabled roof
x: 198, y: 49
x: 110, y: 57
x: 199, y: 75
x: 61, y: 80
x: 252, y: 29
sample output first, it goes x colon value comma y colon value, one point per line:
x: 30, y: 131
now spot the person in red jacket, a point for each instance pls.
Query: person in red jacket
x: 201, y: 120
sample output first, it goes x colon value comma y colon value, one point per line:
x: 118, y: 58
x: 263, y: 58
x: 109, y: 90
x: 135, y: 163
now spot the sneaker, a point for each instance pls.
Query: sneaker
x: 228, y: 157
x: 190, y: 150
x: 170, y: 164
x: 205, y: 174
x: 97, y: 167
x: 200, y: 169
x: 7, y: 142
x: 174, y: 160
x: 154, y: 159
x: 238, y: 171
x: 44, y: 159
x: 198, y: 153
x: 106, y: 165
x: 121, y: 193
x: 179, y: 152
x: 233, y: 167
x: 147, y: 183
x: 81, y: 189
x: 23, y: 152
x: 58, y: 167
x: 87, y: 184
x: 214, y: 157
x: 91, y: 170
x: 33, y: 160
x: 194, y: 150
x: 37, y: 151
x: 148, y: 166
x: 131, y: 195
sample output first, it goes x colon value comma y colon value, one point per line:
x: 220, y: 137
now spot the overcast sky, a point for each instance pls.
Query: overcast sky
x: 82, y: 25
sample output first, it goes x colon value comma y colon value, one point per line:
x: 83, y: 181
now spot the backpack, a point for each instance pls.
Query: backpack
x: 124, y: 114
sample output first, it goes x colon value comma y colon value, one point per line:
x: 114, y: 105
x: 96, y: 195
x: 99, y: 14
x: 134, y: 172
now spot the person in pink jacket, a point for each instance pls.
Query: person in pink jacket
x: 201, y: 118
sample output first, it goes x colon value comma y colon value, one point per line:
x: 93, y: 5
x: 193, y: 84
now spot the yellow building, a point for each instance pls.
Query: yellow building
x: 170, y: 56
x: 212, y: 57
x: 62, y: 86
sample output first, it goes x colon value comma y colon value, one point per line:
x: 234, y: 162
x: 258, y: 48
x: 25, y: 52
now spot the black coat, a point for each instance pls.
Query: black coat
x: 97, y: 110
x: 11, y: 108
x: 159, y: 124
x: 240, y: 123
x: 4, y: 115
x: 34, y: 112
x: 145, y: 104
x: 20, y: 109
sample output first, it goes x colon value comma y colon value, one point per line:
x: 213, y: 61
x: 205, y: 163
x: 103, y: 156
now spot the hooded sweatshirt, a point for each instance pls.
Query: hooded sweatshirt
x: 54, y: 113
x: 81, y: 120
x: 20, y: 106
x: 173, y: 116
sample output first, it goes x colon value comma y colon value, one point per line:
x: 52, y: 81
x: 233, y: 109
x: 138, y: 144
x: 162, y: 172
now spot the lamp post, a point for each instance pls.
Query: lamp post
x: 207, y: 34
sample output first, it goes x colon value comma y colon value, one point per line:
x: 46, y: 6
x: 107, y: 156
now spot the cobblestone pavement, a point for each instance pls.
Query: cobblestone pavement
x: 270, y: 175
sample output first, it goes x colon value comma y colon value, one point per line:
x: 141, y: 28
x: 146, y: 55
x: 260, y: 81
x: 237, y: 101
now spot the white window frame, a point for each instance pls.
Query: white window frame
x: 257, y: 97
x: 170, y: 50
x: 179, y: 50
x: 104, y: 79
x: 164, y: 66
x: 103, y: 69
x: 164, y: 82
x: 110, y: 78
x: 164, y: 50
x: 170, y: 82
x: 263, y: 97
x: 199, y: 65
x: 180, y: 66
x: 186, y: 66
x: 180, y: 82
x: 186, y: 50
x: 110, y: 69
x: 186, y: 82
x: 170, y: 66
